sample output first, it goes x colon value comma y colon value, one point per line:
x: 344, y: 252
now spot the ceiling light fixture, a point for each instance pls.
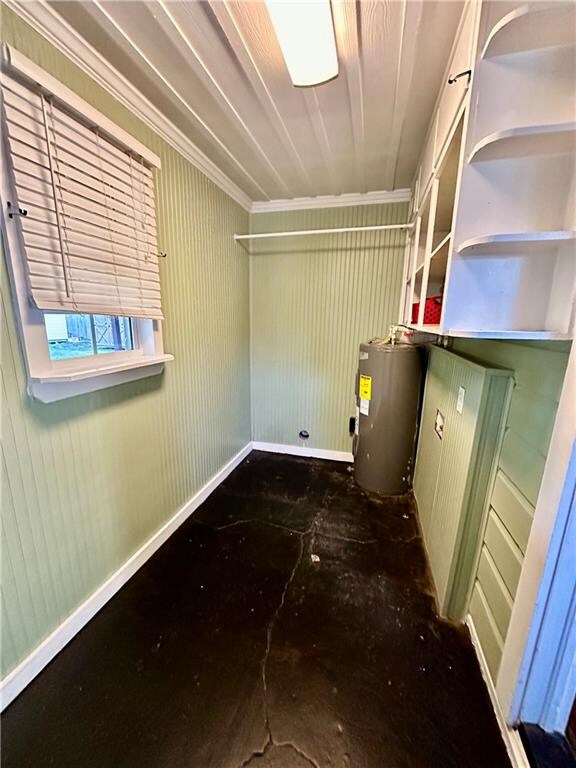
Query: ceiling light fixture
x: 305, y: 33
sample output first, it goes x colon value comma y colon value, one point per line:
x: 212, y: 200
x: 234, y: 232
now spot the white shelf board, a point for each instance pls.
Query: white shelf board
x: 531, y: 28
x: 487, y: 334
x: 434, y: 329
x: 525, y: 141
x: 517, y: 243
x: 62, y: 373
x: 438, y: 330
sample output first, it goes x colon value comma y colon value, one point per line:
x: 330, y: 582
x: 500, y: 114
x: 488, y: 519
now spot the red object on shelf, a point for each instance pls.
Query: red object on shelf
x: 432, y: 311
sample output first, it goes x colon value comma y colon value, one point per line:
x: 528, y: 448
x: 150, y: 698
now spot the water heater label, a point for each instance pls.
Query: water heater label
x: 363, y: 355
x: 366, y: 387
x: 364, y: 407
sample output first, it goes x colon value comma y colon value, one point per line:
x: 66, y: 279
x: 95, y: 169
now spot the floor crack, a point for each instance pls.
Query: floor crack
x: 271, y: 624
x: 346, y: 538
x: 257, y: 753
x: 299, y: 752
x: 260, y: 522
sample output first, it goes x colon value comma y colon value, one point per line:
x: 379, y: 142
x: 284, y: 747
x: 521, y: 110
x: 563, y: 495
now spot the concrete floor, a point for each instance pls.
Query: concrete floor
x: 289, y: 623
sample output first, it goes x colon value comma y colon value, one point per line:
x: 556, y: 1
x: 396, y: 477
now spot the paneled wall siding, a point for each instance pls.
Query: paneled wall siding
x: 313, y: 300
x: 538, y: 373
x: 86, y: 481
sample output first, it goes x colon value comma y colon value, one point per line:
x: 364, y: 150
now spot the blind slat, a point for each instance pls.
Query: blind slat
x: 95, y: 215
x: 27, y: 111
x: 48, y: 255
x: 34, y: 149
x: 73, y: 199
x: 96, y: 306
x: 93, y: 284
x: 87, y: 234
x: 77, y: 270
x: 73, y: 169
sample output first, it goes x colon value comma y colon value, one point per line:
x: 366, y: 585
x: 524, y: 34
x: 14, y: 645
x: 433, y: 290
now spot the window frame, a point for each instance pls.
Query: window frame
x: 50, y: 380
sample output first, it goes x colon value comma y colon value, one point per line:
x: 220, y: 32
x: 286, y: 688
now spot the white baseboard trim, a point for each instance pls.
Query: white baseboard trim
x: 511, y: 738
x: 297, y: 450
x: 15, y: 682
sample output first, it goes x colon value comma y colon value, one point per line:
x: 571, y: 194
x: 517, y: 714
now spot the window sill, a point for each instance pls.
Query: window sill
x: 64, y: 383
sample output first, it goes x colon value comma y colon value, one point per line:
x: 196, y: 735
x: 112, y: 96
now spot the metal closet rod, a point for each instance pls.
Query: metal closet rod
x: 334, y: 231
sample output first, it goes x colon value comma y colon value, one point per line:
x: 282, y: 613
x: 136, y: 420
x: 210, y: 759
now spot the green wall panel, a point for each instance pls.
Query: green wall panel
x: 487, y: 630
x: 87, y: 480
x: 513, y: 509
x: 539, y: 369
x: 313, y: 300
x: 491, y: 582
x: 538, y: 374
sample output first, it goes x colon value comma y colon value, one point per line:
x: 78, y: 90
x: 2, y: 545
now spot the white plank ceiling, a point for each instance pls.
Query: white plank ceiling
x: 216, y: 71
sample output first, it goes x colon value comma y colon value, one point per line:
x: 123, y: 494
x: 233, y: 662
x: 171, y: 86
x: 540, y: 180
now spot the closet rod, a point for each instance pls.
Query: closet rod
x: 336, y: 230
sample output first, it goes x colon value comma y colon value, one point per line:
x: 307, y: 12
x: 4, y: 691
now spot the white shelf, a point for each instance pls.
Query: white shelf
x: 534, y: 335
x: 525, y: 141
x: 63, y: 373
x: 530, y: 28
x: 434, y: 329
x: 517, y: 243
x: 438, y: 330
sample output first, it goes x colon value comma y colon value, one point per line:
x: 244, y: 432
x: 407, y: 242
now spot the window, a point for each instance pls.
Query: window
x: 74, y: 335
x: 80, y: 230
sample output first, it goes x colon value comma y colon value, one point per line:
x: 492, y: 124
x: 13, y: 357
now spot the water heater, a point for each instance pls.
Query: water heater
x: 388, y: 389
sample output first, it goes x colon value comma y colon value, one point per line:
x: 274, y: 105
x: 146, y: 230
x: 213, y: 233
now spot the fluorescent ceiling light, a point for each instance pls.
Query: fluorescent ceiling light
x: 305, y: 33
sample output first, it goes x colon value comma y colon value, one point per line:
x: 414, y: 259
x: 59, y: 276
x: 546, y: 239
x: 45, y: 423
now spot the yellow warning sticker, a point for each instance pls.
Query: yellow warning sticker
x: 366, y: 387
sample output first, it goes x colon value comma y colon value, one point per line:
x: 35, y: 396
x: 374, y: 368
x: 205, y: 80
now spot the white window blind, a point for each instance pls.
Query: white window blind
x: 89, y: 236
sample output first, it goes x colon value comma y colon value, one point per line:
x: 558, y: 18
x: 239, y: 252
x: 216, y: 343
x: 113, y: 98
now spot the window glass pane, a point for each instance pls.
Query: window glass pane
x: 74, y: 335
x: 113, y: 334
x: 69, y: 335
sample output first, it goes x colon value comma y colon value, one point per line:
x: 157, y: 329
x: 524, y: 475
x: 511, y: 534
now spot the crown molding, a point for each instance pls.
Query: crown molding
x: 331, y: 201
x: 44, y: 20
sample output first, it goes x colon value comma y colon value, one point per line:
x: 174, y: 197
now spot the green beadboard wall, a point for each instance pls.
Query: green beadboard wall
x: 313, y: 300
x: 87, y: 481
x: 539, y: 369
